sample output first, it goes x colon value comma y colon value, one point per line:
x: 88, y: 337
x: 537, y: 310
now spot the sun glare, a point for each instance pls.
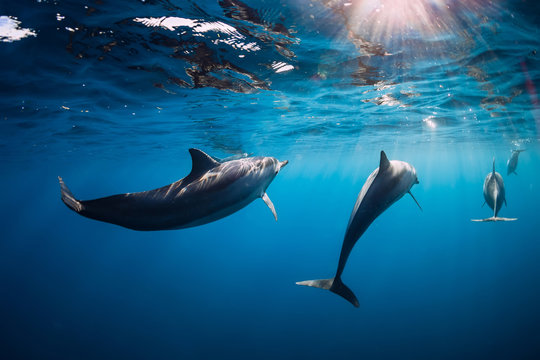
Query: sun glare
x: 386, y: 19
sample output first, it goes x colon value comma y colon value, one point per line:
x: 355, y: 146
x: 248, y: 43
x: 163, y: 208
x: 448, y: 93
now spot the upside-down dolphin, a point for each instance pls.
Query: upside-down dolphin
x: 212, y: 190
x: 494, y: 195
x: 511, y: 164
x: 386, y: 185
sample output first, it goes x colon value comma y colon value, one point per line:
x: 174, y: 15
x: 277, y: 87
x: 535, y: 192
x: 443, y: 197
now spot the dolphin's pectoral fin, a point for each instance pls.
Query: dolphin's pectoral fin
x: 410, y: 193
x: 505, y: 204
x: 483, y: 204
x: 268, y: 202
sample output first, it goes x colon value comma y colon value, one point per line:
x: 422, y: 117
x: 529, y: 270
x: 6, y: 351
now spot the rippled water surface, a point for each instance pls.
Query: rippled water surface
x: 231, y: 74
x: 111, y: 94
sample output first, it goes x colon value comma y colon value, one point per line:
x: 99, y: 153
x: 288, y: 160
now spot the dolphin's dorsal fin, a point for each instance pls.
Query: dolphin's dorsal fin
x: 384, y: 163
x: 201, y: 162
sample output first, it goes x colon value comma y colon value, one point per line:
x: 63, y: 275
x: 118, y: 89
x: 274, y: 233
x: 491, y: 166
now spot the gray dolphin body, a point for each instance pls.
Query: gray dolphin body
x: 210, y: 192
x: 494, y: 195
x: 386, y: 185
x: 512, y: 163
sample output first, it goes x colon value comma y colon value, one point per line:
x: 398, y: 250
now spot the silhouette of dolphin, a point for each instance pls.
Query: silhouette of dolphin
x: 210, y: 192
x: 511, y: 164
x: 494, y: 195
x: 386, y: 185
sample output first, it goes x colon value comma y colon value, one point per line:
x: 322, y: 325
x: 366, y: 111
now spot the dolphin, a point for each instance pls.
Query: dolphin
x: 494, y: 195
x: 212, y: 190
x: 386, y: 185
x: 232, y: 157
x: 511, y: 164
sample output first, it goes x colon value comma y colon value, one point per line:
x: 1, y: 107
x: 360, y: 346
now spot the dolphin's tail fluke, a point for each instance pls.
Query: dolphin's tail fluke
x: 335, y: 285
x: 68, y: 198
x: 494, y: 218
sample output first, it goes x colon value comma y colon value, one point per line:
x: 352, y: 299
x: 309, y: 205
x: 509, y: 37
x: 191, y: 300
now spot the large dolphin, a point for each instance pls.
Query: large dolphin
x: 494, y: 195
x: 511, y: 164
x: 386, y: 185
x: 210, y: 192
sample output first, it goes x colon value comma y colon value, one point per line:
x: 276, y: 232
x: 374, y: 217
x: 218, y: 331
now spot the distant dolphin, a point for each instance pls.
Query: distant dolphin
x: 494, y: 195
x: 210, y: 192
x: 232, y: 157
x: 511, y: 165
x: 386, y: 185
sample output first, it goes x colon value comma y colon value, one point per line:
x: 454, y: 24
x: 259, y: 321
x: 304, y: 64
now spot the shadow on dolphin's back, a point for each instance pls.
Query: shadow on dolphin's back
x: 213, y: 189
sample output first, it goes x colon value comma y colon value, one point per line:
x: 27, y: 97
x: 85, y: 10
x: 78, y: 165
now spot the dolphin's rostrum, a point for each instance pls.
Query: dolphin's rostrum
x: 214, y: 189
x: 386, y: 185
x: 495, y: 195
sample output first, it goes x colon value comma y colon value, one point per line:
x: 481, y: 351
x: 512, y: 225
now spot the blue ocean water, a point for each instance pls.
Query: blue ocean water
x: 111, y: 95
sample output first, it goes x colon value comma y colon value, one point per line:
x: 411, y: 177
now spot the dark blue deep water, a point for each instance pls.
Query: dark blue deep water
x: 110, y: 95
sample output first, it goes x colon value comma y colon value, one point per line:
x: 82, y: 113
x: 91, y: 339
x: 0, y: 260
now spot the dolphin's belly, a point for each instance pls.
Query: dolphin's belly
x: 204, y: 208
